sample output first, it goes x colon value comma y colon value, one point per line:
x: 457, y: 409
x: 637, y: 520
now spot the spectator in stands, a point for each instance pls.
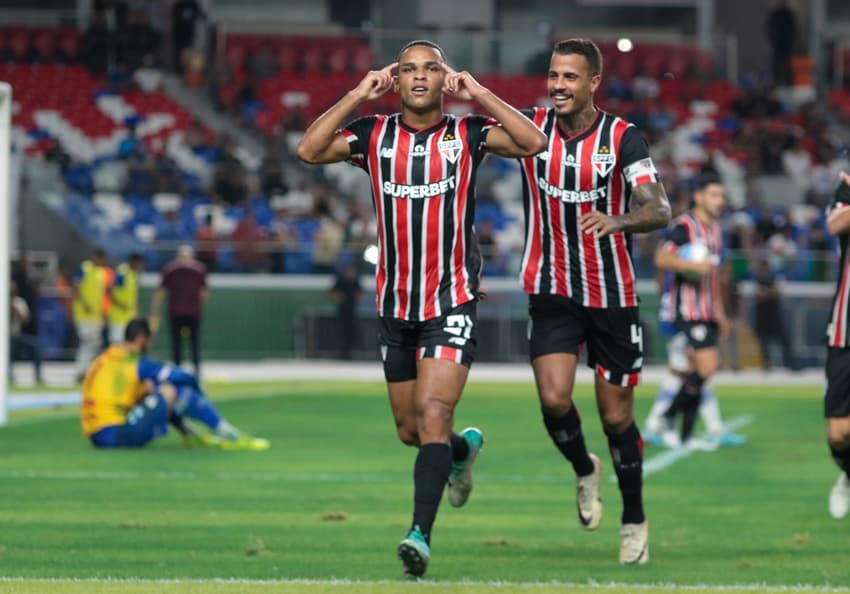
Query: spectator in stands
x: 248, y: 238
x: 263, y: 62
x: 137, y: 40
x: 169, y: 178
x: 284, y: 239
x: 782, y: 36
x: 769, y: 325
x: 346, y: 292
x: 327, y: 242
x: 294, y: 121
x: 271, y: 171
x: 322, y: 202
x: 199, y: 139
x: 645, y: 87
x: 797, y: 164
x: 96, y: 46
x: 148, y: 77
x: 125, y: 296
x: 185, y: 280
x: 185, y: 16
x: 229, y: 174
x: 615, y: 87
x: 90, y: 288
x: 170, y: 232
x: 21, y: 314
x: 820, y: 252
x: 130, y: 146
x: 207, y: 241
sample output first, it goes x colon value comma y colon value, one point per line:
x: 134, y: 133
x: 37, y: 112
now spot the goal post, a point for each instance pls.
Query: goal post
x: 5, y: 235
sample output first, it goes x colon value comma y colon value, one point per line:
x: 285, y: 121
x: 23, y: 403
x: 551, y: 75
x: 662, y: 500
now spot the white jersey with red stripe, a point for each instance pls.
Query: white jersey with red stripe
x: 423, y: 186
x: 593, y: 170
x: 838, y: 331
x: 695, y: 300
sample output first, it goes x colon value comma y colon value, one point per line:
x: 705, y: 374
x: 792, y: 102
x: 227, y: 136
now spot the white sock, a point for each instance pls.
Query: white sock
x: 670, y: 386
x: 227, y: 431
x: 709, y: 411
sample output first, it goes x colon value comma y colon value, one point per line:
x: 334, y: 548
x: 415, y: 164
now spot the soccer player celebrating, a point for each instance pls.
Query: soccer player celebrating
x: 837, y: 398
x: 128, y: 400
x: 577, y: 270
x: 695, y: 304
x: 422, y: 163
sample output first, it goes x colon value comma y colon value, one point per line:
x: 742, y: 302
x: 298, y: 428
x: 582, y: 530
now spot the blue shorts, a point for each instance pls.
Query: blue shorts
x: 145, y: 421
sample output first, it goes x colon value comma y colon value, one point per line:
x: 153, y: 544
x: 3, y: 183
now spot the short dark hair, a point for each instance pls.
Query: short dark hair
x: 705, y: 179
x: 426, y: 43
x: 135, y: 328
x: 583, y: 47
x: 135, y: 257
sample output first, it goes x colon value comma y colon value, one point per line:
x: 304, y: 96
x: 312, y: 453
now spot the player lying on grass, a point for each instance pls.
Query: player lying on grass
x: 128, y: 400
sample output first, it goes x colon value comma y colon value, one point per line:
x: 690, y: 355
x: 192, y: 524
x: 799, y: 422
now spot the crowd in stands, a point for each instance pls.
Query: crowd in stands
x: 144, y: 175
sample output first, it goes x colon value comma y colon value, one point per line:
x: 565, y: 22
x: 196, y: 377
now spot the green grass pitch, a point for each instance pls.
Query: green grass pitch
x: 324, y: 509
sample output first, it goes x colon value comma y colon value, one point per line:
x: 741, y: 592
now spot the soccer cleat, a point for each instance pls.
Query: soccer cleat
x: 729, y: 439
x: 196, y: 440
x: 634, y: 543
x: 588, y: 498
x: 839, y: 497
x: 246, y: 442
x: 459, y: 485
x: 670, y: 439
x: 652, y: 438
x: 701, y: 445
x: 414, y: 553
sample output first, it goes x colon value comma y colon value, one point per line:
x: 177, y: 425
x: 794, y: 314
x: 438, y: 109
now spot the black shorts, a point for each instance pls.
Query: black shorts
x: 700, y: 334
x: 452, y: 336
x: 836, y: 401
x: 613, y: 335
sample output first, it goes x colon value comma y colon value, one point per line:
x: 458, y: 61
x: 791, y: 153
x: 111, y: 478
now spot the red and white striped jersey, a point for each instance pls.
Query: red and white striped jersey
x: 695, y: 300
x: 595, y: 169
x: 423, y: 186
x: 838, y: 331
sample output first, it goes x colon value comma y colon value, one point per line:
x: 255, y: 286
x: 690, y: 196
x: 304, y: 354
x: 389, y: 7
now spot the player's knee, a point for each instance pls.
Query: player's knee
x: 407, y: 436
x: 554, y: 402
x: 616, y: 420
x: 838, y: 434
x: 434, y: 415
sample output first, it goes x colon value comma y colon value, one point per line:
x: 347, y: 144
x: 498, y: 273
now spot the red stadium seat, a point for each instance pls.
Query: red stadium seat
x: 45, y: 44
x: 312, y: 60
x: 20, y: 44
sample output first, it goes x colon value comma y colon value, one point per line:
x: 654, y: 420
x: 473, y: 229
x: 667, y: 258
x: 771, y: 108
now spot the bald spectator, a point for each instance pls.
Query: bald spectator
x: 185, y: 279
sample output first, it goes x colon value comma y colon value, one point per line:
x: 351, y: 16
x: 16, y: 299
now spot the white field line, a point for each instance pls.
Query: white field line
x: 670, y: 457
x: 652, y: 587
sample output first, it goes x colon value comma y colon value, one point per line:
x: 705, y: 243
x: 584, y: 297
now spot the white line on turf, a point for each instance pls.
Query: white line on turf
x: 652, y: 587
x: 670, y: 457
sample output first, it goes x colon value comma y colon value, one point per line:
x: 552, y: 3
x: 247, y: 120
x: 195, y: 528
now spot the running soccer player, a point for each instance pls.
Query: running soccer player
x: 659, y: 429
x: 422, y: 163
x: 837, y: 397
x: 578, y: 273
x: 693, y: 305
x: 128, y: 400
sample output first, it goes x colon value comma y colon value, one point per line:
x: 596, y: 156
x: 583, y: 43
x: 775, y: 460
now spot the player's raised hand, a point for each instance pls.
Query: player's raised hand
x: 844, y: 177
x: 376, y: 83
x: 460, y: 85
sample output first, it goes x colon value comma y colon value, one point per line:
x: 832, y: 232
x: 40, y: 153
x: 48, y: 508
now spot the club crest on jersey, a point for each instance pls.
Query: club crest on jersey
x: 450, y: 147
x: 603, y: 160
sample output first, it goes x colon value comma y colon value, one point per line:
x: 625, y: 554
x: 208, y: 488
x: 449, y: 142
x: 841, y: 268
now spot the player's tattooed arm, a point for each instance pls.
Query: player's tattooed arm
x: 652, y: 212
